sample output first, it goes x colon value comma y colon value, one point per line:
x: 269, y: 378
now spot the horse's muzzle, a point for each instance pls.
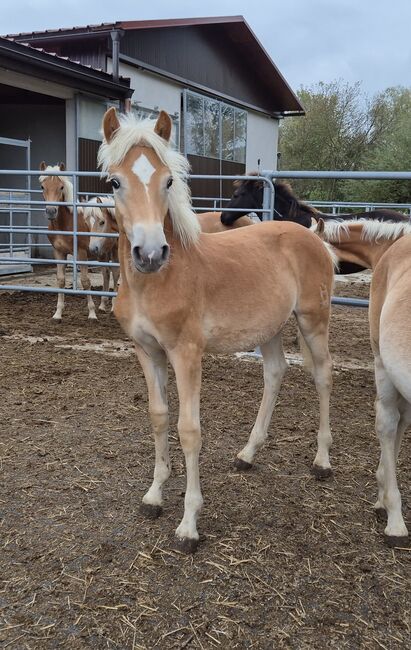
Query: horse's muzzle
x: 150, y: 261
x: 51, y: 213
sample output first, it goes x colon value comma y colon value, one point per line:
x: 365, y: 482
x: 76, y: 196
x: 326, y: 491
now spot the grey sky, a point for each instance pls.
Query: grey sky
x: 309, y: 40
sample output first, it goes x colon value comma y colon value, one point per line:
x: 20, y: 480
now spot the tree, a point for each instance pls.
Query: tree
x: 344, y: 130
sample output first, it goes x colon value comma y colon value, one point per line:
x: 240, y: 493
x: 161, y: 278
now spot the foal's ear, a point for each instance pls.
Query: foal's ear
x: 110, y: 124
x: 62, y: 167
x: 163, y: 126
x: 318, y: 228
x: 98, y: 200
x: 42, y: 166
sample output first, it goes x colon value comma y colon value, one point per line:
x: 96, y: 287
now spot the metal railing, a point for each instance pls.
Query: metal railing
x: 12, y: 205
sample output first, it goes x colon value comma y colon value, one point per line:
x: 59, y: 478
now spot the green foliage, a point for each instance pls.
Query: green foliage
x: 344, y: 130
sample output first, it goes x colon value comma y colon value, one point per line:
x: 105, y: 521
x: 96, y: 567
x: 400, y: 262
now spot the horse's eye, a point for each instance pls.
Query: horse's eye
x: 101, y: 223
x: 169, y: 182
x: 115, y: 183
x: 62, y: 188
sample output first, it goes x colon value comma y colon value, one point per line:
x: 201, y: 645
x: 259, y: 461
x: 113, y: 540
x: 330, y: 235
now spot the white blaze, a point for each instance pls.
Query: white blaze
x: 143, y: 169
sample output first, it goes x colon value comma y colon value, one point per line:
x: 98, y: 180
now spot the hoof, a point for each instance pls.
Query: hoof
x: 150, y: 511
x: 93, y: 319
x: 57, y: 321
x: 394, y: 540
x: 102, y: 308
x: 186, y: 545
x: 381, y: 514
x: 242, y: 465
x: 321, y: 473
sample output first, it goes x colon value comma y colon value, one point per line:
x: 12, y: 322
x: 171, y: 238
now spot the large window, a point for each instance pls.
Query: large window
x: 213, y: 129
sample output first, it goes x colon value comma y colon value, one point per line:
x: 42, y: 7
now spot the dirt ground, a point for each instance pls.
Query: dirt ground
x: 285, y: 561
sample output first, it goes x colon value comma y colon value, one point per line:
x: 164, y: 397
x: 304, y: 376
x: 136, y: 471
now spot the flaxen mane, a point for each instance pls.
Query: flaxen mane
x: 134, y: 132
x: 372, y: 230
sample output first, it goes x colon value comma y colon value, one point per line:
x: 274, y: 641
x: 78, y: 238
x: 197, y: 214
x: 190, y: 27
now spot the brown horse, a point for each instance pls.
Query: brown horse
x: 183, y: 293
x: 101, y: 219
x: 248, y: 195
x: 59, y: 189
x: 386, y: 248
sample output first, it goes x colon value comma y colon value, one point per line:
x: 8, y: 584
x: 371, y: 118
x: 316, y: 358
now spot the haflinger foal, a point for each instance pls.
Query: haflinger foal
x: 386, y: 248
x: 184, y: 293
x: 59, y: 189
x: 101, y: 219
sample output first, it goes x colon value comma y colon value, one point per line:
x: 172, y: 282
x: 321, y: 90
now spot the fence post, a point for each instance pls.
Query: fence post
x: 75, y: 229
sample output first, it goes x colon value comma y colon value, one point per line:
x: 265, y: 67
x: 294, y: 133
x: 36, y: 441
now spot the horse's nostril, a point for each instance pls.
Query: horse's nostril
x: 137, y: 254
x: 165, y: 252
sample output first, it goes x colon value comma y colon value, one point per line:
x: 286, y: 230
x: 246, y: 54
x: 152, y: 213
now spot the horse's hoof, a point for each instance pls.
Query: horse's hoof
x: 93, y: 319
x: 321, y: 473
x: 394, y: 540
x: 242, y: 465
x: 102, y: 308
x: 150, y: 511
x: 381, y: 514
x: 56, y: 320
x: 186, y: 545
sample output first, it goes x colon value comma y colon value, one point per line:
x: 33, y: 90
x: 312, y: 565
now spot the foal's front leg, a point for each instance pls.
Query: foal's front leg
x: 187, y: 367
x: 105, y: 272
x: 155, y: 371
x: 86, y: 284
x: 61, y: 282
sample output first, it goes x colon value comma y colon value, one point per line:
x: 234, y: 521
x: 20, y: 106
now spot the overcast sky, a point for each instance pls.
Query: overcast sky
x: 309, y: 40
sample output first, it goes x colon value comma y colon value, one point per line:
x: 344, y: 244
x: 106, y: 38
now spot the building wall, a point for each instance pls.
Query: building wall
x: 262, y: 142
x: 151, y: 90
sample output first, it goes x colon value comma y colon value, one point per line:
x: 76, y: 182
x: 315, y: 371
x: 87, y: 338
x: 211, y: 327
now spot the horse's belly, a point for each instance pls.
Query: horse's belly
x: 222, y: 338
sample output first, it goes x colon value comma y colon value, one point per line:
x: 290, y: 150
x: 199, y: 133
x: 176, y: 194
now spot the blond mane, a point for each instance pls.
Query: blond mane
x: 92, y: 212
x: 133, y: 132
x: 372, y: 229
x: 68, y: 195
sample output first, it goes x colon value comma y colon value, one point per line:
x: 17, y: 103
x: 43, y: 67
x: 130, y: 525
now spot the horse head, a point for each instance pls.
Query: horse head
x: 247, y: 196
x: 55, y: 188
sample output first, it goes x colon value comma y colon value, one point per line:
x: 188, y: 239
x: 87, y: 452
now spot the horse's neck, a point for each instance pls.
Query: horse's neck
x: 353, y: 248
x: 64, y: 220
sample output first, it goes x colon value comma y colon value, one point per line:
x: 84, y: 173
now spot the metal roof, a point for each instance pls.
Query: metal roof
x: 235, y: 27
x: 63, y: 68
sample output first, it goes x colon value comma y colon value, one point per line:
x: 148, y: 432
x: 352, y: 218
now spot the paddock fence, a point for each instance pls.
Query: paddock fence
x: 23, y: 230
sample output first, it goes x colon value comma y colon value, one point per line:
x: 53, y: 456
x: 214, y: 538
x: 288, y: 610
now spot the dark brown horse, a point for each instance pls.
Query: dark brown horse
x: 248, y: 196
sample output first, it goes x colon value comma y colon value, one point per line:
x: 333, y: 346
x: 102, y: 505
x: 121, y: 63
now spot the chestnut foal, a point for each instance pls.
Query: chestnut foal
x: 184, y: 293
x: 102, y: 219
x: 385, y: 247
x: 56, y: 189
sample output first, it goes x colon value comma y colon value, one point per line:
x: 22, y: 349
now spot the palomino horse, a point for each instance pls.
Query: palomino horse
x: 183, y: 293
x: 386, y: 248
x: 248, y: 195
x: 211, y: 222
x: 101, y: 219
x: 56, y: 189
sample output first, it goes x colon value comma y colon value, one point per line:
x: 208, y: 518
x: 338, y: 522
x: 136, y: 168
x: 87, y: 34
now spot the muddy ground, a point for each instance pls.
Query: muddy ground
x: 284, y: 561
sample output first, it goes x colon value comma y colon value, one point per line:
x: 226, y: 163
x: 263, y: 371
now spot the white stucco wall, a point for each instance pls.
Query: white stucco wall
x: 262, y: 142
x: 150, y: 90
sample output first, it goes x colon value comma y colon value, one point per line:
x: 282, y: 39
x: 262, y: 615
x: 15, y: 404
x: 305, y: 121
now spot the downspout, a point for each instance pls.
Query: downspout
x: 116, y: 35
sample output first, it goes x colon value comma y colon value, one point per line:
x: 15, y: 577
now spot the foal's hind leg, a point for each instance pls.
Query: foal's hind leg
x: 390, y: 423
x: 155, y: 372
x: 314, y: 328
x: 274, y: 368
